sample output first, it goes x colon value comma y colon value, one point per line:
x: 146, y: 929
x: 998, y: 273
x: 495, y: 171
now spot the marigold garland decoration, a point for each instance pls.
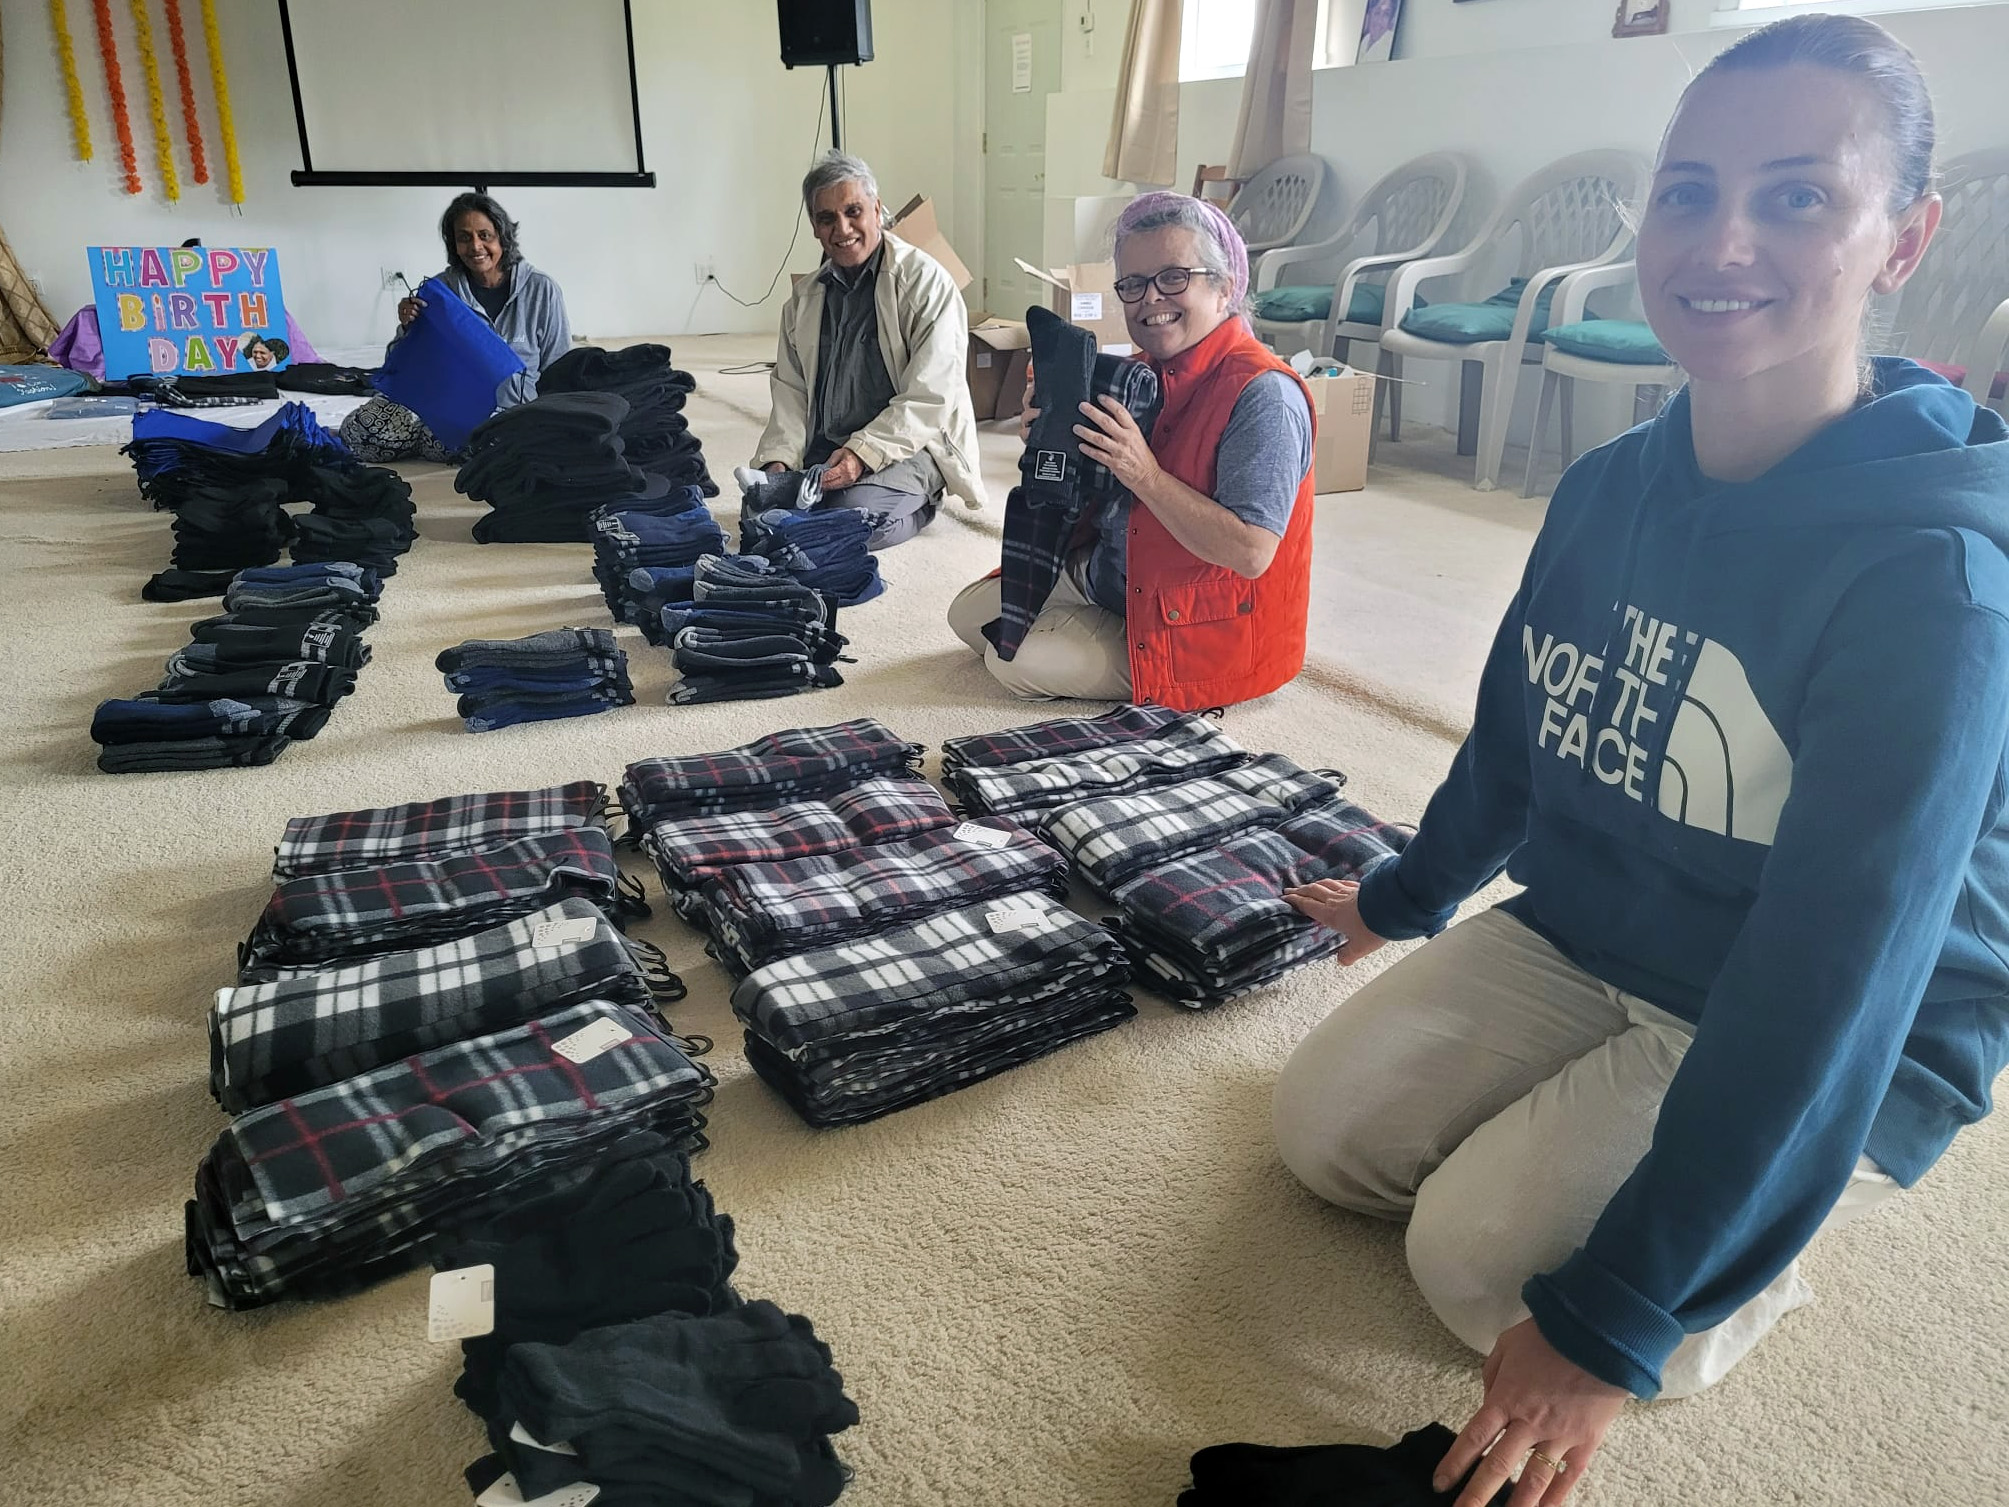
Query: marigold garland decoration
x: 215, y: 44
x: 108, y: 46
x: 163, y: 142
x: 80, y: 123
x: 190, y: 123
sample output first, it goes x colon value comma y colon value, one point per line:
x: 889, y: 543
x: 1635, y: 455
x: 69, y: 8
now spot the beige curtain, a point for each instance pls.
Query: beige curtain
x: 1276, y: 91
x: 1144, y: 131
x: 25, y: 325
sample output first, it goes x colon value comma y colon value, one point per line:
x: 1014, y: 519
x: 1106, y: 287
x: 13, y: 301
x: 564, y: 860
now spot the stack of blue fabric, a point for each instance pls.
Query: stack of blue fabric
x: 826, y: 550
x: 566, y: 672
x: 174, y: 453
x: 669, y: 534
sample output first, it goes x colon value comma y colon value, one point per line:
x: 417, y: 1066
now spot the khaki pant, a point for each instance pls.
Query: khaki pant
x: 1495, y: 1096
x: 1074, y: 648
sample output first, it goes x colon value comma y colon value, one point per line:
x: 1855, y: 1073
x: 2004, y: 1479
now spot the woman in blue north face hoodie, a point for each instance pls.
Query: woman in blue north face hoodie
x: 1742, y: 739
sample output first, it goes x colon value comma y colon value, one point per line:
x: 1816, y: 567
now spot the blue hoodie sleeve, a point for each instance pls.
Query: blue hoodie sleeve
x: 1897, y: 774
x: 1478, y: 816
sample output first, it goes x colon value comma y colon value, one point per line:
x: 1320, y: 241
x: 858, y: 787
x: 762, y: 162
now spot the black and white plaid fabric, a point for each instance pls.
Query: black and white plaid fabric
x: 1183, y: 751
x: 433, y: 829
x: 267, y: 1041
x: 1059, y: 735
x: 936, y: 966
x: 1118, y: 837
x: 359, y: 913
x: 783, y: 766
x: 1219, y: 914
x: 686, y: 853
x: 758, y: 912
x: 334, y: 1188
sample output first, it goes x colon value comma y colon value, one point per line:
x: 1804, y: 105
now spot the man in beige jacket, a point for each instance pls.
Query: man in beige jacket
x: 868, y: 381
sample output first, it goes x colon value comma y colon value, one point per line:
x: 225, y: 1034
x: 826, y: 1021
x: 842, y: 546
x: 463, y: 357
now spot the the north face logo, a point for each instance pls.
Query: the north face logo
x: 1725, y: 768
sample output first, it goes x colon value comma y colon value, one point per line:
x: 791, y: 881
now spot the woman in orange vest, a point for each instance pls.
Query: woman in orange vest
x: 1191, y: 592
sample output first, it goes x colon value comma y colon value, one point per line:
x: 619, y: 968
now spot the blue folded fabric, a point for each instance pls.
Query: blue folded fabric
x: 447, y: 366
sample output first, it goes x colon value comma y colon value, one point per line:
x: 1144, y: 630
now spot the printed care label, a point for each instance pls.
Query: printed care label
x: 462, y: 1304
x: 1016, y: 920
x: 559, y: 933
x: 588, y: 1042
x: 983, y: 837
x: 506, y: 1493
x: 1087, y: 307
x: 523, y: 1435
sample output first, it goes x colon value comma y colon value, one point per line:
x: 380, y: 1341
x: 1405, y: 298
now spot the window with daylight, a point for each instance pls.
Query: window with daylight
x: 1215, y: 38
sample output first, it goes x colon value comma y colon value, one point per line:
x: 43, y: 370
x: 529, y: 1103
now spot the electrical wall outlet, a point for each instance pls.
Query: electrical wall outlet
x: 390, y: 275
x: 704, y: 272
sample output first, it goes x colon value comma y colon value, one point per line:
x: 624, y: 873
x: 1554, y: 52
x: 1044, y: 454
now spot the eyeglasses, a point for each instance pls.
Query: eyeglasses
x: 1171, y: 281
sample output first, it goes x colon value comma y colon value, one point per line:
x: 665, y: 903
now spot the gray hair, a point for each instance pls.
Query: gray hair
x: 1210, y: 228
x: 836, y: 167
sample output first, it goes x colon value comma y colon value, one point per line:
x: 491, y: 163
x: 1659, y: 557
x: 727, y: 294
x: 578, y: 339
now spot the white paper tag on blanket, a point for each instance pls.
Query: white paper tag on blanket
x: 1016, y: 920
x: 462, y: 1304
x: 523, y: 1435
x: 983, y: 837
x: 506, y: 1493
x: 588, y: 1042
x: 558, y: 933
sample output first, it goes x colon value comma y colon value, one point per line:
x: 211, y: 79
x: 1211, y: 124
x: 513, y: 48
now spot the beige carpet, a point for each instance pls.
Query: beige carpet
x: 1048, y: 1289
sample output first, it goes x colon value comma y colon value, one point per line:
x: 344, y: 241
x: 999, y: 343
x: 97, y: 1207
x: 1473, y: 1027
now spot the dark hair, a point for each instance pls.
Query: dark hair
x: 505, y: 228
x: 279, y: 348
x: 1863, y: 50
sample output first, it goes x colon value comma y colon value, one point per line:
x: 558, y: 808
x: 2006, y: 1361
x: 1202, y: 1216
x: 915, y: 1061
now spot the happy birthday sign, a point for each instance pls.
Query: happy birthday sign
x: 192, y: 310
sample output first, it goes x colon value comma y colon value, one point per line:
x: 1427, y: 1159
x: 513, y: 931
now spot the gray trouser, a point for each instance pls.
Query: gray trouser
x: 907, y: 513
x: 1495, y: 1096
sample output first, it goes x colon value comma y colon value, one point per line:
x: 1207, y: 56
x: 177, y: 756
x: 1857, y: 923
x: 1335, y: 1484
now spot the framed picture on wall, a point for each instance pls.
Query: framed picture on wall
x: 1640, y: 18
x: 1377, y: 31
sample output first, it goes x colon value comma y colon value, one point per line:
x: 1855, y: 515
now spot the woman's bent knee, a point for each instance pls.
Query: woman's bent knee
x: 1323, y: 1139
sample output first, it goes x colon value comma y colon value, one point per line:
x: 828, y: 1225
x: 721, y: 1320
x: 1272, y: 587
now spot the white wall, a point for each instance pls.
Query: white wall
x: 725, y: 128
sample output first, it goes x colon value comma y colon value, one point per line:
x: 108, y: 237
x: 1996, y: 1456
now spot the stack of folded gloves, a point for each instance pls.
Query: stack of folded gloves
x: 333, y: 1189
x: 1328, y: 1475
x: 738, y: 642
x: 631, y: 545
x: 690, y: 851
x: 547, y: 466
x: 858, y: 1029
x: 731, y: 1410
x: 655, y: 432
x: 1187, y: 747
x: 758, y: 913
x: 360, y: 513
x: 795, y: 764
x: 564, y: 672
x: 828, y: 550
x: 320, y: 919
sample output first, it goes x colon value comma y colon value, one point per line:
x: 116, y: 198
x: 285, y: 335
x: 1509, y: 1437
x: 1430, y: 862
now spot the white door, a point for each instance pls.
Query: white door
x: 1021, y: 68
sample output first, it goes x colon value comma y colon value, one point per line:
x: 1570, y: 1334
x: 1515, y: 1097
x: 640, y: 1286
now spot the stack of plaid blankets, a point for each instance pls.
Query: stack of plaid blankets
x: 887, y: 954
x: 436, y: 1019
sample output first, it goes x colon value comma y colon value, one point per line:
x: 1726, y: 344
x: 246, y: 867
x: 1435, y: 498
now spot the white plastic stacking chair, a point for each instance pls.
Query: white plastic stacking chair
x: 1562, y: 370
x: 1403, y: 217
x: 1566, y: 218
x: 1272, y: 208
x: 1955, y: 310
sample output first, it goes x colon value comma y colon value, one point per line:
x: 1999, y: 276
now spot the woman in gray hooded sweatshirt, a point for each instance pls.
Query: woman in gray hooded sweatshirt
x: 486, y: 269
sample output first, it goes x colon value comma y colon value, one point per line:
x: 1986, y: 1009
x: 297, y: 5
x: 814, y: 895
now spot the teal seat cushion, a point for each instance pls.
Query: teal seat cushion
x: 1295, y: 305
x: 1470, y: 323
x: 1626, y: 341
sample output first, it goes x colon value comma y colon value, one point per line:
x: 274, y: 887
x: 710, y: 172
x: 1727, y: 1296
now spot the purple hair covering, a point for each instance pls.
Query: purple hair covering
x: 1161, y: 206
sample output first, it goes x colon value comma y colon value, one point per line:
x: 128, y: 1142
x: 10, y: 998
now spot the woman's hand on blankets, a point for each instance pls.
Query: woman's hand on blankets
x: 1335, y: 903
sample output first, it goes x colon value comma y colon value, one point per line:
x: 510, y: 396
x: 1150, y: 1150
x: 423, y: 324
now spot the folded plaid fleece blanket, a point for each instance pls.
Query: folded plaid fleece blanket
x: 291, y: 1036
x: 687, y: 853
x: 758, y: 912
x: 1059, y: 735
x: 360, y: 913
x: 334, y: 1188
x: 1183, y: 750
x: 784, y: 766
x: 423, y: 830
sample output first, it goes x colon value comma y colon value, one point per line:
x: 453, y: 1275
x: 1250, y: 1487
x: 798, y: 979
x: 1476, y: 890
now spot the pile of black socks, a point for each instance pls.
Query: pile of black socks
x: 1327, y: 1475
x: 252, y: 680
x: 750, y: 638
x: 547, y: 466
x: 827, y: 549
x: 219, y: 529
x: 360, y: 513
x: 566, y: 672
x: 632, y: 545
x: 657, y: 435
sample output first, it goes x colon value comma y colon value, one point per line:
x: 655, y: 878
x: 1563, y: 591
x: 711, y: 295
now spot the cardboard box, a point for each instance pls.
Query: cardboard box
x: 999, y: 350
x: 916, y: 225
x: 1345, y: 409
x: 1085, y: 294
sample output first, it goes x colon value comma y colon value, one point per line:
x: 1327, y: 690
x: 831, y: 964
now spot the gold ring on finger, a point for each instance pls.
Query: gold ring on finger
x: 1556, y: 1467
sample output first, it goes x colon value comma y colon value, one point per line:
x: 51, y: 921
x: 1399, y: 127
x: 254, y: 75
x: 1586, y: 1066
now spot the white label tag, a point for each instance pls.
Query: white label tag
x: 588, y: 1042
x: 1114, y: 349
x: 523, y: 1435
x: 1016, y: 920
x: 461, y: 1305
x: 506, y: 1493
x: 983, y: 837
x: 558, y: 933
x: 1087, y: 306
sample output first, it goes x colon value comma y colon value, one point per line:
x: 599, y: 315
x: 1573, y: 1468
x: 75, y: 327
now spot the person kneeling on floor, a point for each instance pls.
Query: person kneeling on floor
x: 868, y: 382
x: 1192, y: 590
